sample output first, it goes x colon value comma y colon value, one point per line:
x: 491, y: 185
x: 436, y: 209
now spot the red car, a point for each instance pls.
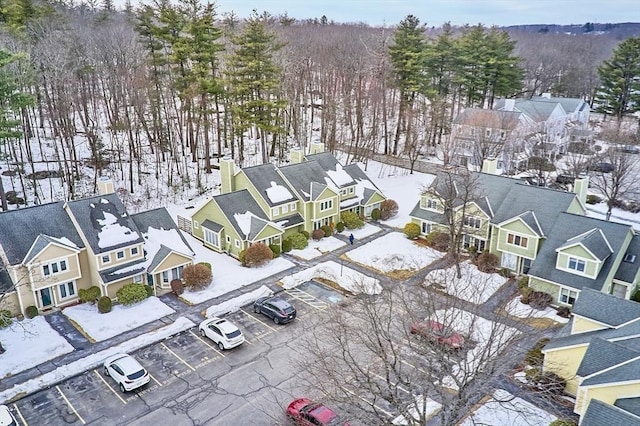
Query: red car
x: 305, y: 412
x: 437, y: 332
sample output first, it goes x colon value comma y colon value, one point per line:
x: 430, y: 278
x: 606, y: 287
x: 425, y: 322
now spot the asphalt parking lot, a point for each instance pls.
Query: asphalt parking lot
x: 177, y: 366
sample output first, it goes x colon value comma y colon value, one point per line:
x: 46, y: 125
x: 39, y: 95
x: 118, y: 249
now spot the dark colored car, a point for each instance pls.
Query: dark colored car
x: 280, y: 311
x: 304, y: 412
x: 438, y: 333
x: 565, y: 180
x: 601, y: 167
x: 629, y: 149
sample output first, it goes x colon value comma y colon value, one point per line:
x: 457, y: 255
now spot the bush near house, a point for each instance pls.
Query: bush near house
x: 487, y: 262
x: 636, y: 296
x: 388, y: 209
x: 90, y: 294
x: 340, y: 227
x: 196, y: 277
x: 534, y: 356
x: 318, y: 234
x: 257, y: 255
x: 411, y: 230
x: 328, y: 230
x: 177, y: 287
x: 352, y: 220
x: 5, y: 318
x: 131, y: 293
x: 305, y: 233
x: 551, y: 383
x: 564, y: 311
x: 563, y: 422
x: 540, y: 300
x: 592, y: 199
x: 523, y: 282
x: 375, y: 214
x: 207, y: 264
x: 104, y: 304
x: 441, y: 241
x: 286, y: 245
x: 430, y: 237
x: 299, y: 240
x: 149, y: 290
x: 31, y: 312
x: 275, y: 249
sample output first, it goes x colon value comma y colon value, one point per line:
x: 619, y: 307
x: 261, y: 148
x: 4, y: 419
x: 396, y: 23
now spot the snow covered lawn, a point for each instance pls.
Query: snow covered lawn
x: 345, y: 277
x: 474, y: 286
x: 228, y: 273
x: 505, y: 409
x: 29, y: 343
x: 367, y: 230
x: 521, y: 310
x: 318, y: 248
x: 235, y: 304
x: 394, y: 252
x: 121, y: 318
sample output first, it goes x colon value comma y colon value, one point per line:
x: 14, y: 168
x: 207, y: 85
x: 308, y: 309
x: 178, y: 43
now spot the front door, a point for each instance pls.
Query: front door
x: 45, y: 298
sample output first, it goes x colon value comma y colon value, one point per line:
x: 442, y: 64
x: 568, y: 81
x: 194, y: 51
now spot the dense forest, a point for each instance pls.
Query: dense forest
x: 164, y: 89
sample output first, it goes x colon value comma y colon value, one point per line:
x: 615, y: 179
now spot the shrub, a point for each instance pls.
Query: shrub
x: 105, y: 304
x: 636, y: 296
x: 352, y: 220
x: 551, y: 383
x: 534, y: 356
x: 275, y: 249
x: 286, y: 245
x: 177, y: 287
x: 340, y: 227
x: 305, y: 233
x: 90, y: 294
x: 241, y: 257
x: 31, y: 312
x: 318, y: 234
x: 149, y: 290
x: 525, y: 292
x: 472, y: 250
x: 196, y: 277
x: 5, y: 318
x: 207, y: 264
x: 487, y: 262
x: 592, y: 199
x: 411, y: 230
x: 430, y: 237
x: 523, y: 282
x: 328, y: 231
x: 388, y: 209
x: 441, y: 241
x: 132, y: 293
x: 257, y: 255
x: 533, y: 375
x: 563, y: 422
x: 505, y: 272
x: 375, y: 214
x: 299, y: 241
x: 564, y: 312
x: 540, y: 300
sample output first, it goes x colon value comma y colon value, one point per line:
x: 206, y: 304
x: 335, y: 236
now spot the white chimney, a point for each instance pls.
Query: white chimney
x: 546, y: 95
x: 490, y: 166
x: 509, y: 104
x: 105, y: 185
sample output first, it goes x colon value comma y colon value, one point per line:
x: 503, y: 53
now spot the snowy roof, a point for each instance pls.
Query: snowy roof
x: 307, y: 178
x: 42, y: 241
x: 269, y: 183
x: 235, y: 206
x: 278, y: 193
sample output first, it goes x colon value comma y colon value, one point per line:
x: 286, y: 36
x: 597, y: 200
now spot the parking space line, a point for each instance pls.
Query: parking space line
x: 257, y: 320
x: 154, y: 379
x: 206, y: 343
x: 70, y: 406
x: 109, y: 386
x: 369, y: 402
x: 414, y: 367
x: 176, y: 355
x: 24, y: 422
x: 307, y: 298
x: 395, y: 384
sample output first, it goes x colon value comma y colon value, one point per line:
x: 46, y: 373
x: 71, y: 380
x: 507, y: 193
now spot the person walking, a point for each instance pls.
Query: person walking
x: 351, y: 238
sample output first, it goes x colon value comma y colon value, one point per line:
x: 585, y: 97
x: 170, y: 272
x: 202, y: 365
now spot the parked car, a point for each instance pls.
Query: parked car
x: 280, y: 311
x: 565, y: 179
x: 437, y: 332
x: 629, y: 149
x: 126, y: 371
x: 6, y: 418
x: 224, y: 333
x: 304, y: 412
x: 601, y: 167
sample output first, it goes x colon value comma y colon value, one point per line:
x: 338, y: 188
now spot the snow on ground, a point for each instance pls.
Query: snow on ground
x: 474, y: 286
x: 393, y: 252
x: 29, y: 343
x: 228, y: 273
x: 430, y: 406
x: 121, y: 318
x: 599, y: 211
x: 318, y: 248
x: 522, y: 310
x: 347, y: 278
x: 235, y: 304
x: 94, y: 360
x: 505, y: 409
x: 365, y: 231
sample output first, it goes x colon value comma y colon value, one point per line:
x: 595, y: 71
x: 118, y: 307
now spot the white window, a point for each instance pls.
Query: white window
x: 576, y: 264
x: 137, y: 279
x: 568, y: 296
x: 351, y: 190
x: 517, y: 240
x: 165, y: 277
x: 284, y: 209
x: 472, y: 221
x: 426, y: 228
x: 237, y: 243
x: 176, y: 273
x: 293, y: 207
x: 54, y: 268
x: 120, y: 254
x: 106, y: 258
x: 211, y: 237
x: 432, y: 204
x: 228, y: 239
x: 274, y: 211
x: 326, y: 205
x: 134, y: 251
x: 196, y: 225
x: 343, y: 192
x: 67, y: 290
x: 487, y: 132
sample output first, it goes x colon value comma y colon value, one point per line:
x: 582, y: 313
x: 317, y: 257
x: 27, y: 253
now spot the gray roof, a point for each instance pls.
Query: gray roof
x: 289, y: 221
x: 487, y: 118
x: 6, y: 284
x: 576, y: 339
x: 158, y: 219
x: 593, y: 241
x: 603, y: 354
x: 215, y: 227
x: 264, y: 177
x: 568, y: 104
x: 567, y: 226
x: 602, y: 414
x: 627, y: 271
x: 427, y: 215
x: 530, y: 219
x: 537, y: 111
x: 131, y: 269
x: 20, y: 228
x: 358, y: 174
x: 302, y: 176
x: 629, y: 372
x: 605, y: 308
x: 160, y: 255
x: 257, y: 225
x: 239, y: 202
x: 631, y: 405
x: 88, y: 212
x: 41, y: 242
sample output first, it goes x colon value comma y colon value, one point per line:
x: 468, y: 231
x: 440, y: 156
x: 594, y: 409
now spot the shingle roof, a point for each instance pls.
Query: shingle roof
x: 121, y: 272
x: 592, y: 240
x: 487, y: 118
x: 602, y: 414
x: 20, y: 228
x: 301, y: 176
x: 632, y: 405
x: 568, y: 104
x: 158, y: 257
x: 215, y: 227
x: 41, y: 242
x: 105, y: 223
x: 531, y: 220
x: 629, y: 372
x: 289, y: 221
x: 627, y: 271
x: 576, y: 339
x: 358, y: 174
x: 537, y: 111
x: 603, y: 354
x: 6, y: 284
x: 159, y: 219
x: 239, y: 202
x: 605, y: 308
x: 427, y: 215
x: 264, y: 177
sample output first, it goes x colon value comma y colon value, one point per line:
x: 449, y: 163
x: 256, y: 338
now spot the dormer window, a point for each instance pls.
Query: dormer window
x: 432, y: 204
x: 629, y: 258
x: 576, y: 264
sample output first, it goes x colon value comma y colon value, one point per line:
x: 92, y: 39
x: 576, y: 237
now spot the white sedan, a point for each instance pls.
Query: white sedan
x: 6, y: 418
x: 126, y: 371
x: 224, y: 333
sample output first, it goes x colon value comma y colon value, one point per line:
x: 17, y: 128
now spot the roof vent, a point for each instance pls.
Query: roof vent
x: 629, y: 258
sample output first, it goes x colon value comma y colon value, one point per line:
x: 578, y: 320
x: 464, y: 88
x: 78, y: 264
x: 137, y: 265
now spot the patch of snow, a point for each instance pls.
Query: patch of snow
x: 521, y: 310
x: 339, y: 176
x: 366, y: 231
x: 104, y: 201
x: 120, y: 319
x: 65, y: 241
x: 506, y: 409
x: 474, y: 286
x: 318, y: 248
x: 244, y: 222
x: 95, y: 360
x: 112, y: 233
x: 236, y: 303
x: 29, y: 343
x: 429, y: 406
x: 347, y: 278
x: 278, y: 193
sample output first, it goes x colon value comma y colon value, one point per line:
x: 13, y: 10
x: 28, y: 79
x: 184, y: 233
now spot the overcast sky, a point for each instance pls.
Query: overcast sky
x: 437, y: 12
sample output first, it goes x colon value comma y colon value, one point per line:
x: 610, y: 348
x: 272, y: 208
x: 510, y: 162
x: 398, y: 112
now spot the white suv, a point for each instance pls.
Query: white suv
x: 126, y: 371
x: 6, y: 418
x: 224, y: 333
